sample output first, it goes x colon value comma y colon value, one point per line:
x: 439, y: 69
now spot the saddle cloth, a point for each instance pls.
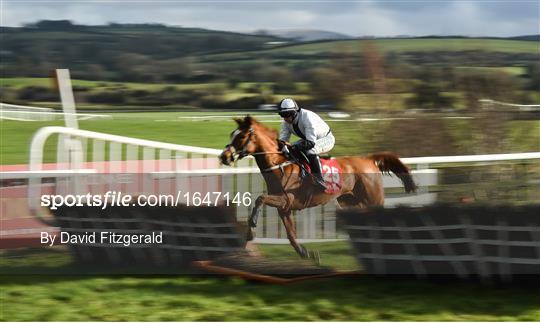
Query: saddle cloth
x: 331, y: 173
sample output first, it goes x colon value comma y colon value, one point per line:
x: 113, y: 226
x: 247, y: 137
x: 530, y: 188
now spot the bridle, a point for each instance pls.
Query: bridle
x: 243, y: 153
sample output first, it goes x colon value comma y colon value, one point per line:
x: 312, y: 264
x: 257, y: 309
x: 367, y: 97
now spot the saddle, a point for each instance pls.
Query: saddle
x: 299, y: 157
x: 331, y: 173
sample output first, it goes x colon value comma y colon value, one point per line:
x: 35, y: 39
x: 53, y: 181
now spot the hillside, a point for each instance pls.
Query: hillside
x: 394, y: 45
x: 305, y: 35
x: 147, y: 39
x: 226, y: 69
x: 418, y: 44
x: 35, y: 49
x: 158, y: 53
x: 443, y: 52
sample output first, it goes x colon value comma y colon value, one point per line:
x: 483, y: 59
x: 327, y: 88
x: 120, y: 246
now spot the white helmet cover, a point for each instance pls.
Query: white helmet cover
x: 288, y: 104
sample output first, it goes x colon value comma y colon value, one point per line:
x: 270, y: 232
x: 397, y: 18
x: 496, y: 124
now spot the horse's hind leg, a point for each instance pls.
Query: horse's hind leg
x: 347, y: 200
x: 356, y: 199
x: 369, y: 190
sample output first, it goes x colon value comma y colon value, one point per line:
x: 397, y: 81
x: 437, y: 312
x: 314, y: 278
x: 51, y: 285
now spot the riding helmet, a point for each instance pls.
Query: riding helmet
x: 288, y: 104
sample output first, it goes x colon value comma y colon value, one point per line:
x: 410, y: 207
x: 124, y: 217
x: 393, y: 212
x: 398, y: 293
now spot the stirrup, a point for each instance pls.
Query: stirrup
x: 319, y: 183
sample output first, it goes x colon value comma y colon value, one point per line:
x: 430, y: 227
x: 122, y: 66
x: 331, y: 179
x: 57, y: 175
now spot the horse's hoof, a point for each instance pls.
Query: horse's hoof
x: 250, y: 235
x: 304, y: 253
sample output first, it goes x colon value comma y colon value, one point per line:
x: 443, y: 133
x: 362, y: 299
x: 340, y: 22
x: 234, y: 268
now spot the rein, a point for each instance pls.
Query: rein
x: 287, y: 163
x: 266, y: 170
x: 243, y: 153
x: 265, y: 153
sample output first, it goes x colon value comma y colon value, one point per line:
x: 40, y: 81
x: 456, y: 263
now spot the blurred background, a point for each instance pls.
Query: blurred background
x: 402, y: 60
x: 419, y: 96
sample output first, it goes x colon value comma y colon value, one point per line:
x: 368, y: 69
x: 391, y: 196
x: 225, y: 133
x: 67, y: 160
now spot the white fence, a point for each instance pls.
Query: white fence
x: 26, y: 113
x: 489, y: 104
x: 84, y: 151
x: 169, y: 168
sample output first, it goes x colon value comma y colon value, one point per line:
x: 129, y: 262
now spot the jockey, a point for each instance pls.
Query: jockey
x: 316, y: 136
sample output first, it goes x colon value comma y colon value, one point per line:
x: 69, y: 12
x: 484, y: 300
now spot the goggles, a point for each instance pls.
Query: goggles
x: 287, y: 114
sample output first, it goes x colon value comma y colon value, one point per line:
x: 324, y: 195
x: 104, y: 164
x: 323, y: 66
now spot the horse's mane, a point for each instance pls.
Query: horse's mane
x: 250, y: 121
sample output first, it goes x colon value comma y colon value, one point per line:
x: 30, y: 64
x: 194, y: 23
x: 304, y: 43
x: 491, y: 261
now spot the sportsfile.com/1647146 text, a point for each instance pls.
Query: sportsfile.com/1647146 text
x: 116, y: 198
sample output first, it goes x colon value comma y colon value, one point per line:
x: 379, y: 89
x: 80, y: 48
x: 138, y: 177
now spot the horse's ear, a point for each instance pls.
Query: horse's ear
x: 249, y: 120
x: 239, y: 121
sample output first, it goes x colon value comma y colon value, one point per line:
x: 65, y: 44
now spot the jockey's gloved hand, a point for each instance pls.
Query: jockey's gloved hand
x: 304, y: 145
x: 285, y: 150
x: 284, y: 147
x: 282, y: 144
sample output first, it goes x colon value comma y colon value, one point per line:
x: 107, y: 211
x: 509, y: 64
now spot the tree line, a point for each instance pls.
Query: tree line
x: 176, y: 55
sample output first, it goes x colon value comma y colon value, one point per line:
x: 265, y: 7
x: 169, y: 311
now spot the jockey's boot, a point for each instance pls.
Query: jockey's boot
x: 315, y: 163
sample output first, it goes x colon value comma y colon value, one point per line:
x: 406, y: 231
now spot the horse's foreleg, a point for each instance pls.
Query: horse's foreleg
x: 253, y: 217
x: 290, y: 228
x: 282, y: 202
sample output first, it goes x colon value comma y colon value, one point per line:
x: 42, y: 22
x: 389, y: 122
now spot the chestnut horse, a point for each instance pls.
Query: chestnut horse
x: 361, y: 178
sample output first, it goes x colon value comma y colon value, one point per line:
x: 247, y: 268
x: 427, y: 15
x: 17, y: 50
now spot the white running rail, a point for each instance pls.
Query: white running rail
x: 109, y: 154
x: 491, y: 104
x: 423, y: 162
x: 27, y: 113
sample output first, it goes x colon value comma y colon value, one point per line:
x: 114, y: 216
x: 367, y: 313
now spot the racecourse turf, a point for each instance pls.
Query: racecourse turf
x: 197, y: 298
x: 72, y: 298
x: 171, y: 127
x: 354, y: 137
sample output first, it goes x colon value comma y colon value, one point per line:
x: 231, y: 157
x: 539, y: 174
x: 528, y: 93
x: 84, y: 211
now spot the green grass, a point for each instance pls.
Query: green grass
x: 406, y: 45
x: 42, y: 298
x: 200, y: 298
x: 16, y: 136
x: 398, y: 45
x: 511, y: 70
x: 354, y: 138
x: 391, y: 102
x: 338, y: 255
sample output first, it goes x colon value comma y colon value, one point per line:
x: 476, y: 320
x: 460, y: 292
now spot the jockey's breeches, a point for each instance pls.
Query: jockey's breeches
x: 323, y: 145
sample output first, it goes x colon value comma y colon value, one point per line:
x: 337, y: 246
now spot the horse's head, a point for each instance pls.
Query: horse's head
x: 242, y: 142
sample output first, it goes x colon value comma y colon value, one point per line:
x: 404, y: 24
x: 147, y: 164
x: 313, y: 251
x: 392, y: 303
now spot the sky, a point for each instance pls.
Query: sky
x: 354, y: 18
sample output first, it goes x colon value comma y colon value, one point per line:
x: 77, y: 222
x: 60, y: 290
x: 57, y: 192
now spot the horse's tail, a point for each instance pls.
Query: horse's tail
x: 389, y: 162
